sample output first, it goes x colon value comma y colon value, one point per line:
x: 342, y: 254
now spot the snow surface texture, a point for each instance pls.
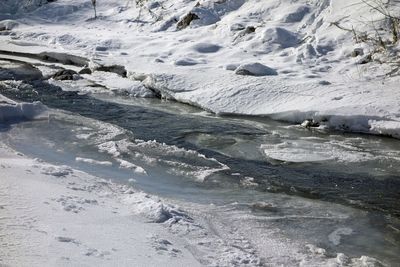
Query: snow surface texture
x: 57, y: 216
x: 283, y: 59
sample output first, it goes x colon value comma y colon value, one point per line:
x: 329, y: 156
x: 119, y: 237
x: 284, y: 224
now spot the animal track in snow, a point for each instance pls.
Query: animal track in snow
x: 74, y: 203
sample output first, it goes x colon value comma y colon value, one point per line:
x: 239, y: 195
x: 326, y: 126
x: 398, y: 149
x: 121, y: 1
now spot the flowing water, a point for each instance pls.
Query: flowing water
x: 336, y: 190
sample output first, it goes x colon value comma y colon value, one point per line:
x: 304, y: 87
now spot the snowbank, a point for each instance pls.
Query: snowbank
x: 296, y: 60
x: 59, y: 216
x: 11, y: 111
x: 8, y: 24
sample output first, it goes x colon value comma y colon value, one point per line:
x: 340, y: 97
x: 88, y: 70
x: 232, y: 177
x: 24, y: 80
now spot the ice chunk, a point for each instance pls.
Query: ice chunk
x: 128, y: 165
x: 8, y: 24
x: 313, y: 151
x: 336, y: 235
x: 295, y: 152
x: 10, y: 110
x: 92, y: 161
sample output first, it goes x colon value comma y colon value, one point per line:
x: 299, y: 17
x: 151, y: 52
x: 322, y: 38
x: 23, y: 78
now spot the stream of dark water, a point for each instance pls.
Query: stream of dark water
x: 244, y: 157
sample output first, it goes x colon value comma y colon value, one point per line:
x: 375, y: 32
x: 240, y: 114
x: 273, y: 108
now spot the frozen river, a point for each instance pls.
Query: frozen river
x: 335, y: 190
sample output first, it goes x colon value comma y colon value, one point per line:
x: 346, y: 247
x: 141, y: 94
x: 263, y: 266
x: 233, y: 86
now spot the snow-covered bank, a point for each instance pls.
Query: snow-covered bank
x: 289, y: 61
x: 54, y: 215
x: 367, y: 107
x: 11, y: 111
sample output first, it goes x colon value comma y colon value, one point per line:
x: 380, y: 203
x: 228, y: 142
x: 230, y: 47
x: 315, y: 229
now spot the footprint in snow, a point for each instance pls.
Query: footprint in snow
x: 96, y: 253
x: 74, y: 204
x: 57, y: 171
x: 164, y: 246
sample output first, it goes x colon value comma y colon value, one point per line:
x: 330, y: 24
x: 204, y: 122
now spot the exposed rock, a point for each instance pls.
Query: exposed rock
x: 263, y: 206
x: 64, y: 75
x: 243, y: 32
x: 63, y: 58
x: 120, y: 70
x: 366, y: 59
x: 250, y: 29
x: 310, y: 123
x: 85, y: 71
x: 186, y: 20
x: 357, y: 52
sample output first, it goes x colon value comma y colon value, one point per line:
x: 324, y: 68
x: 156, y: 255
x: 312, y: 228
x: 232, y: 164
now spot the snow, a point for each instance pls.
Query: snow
x: 12, y: 111
x: 118, y: 84
x: 128, y: 165
x: 255, y: 69
x: 299, y: 66
x: 76, y: 220
x: 206, y: 48
x: 8, y: 25
x: 316, y: 76
x: 187, y: 62
x: 92, y: 161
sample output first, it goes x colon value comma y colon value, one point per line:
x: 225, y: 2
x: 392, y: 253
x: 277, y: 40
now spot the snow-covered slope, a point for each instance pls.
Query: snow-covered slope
x: 290, y: 60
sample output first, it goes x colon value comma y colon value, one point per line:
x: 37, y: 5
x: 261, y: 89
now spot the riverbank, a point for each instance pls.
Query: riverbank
x: 76, y: 218
x: 54, y: 215
x: 287, y: 61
